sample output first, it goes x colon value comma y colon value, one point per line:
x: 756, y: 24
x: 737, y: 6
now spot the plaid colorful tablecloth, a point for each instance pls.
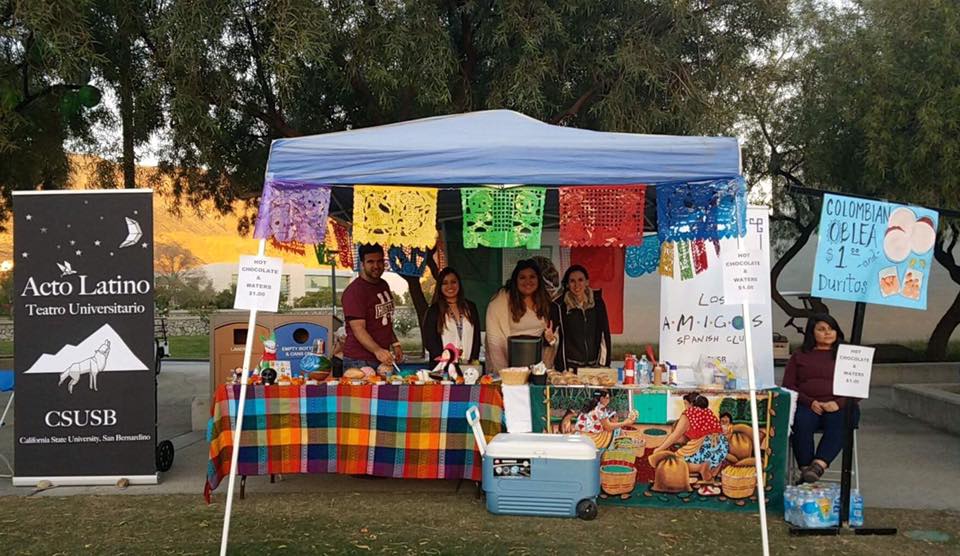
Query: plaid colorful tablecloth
x: 408, y: 431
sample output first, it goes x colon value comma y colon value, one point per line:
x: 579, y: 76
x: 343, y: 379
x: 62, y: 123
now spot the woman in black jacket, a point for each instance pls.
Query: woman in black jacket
x: 451, y: 319
x: 580, y: 317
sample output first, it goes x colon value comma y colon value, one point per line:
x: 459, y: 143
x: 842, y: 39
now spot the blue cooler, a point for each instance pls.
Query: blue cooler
x: 542, y: 474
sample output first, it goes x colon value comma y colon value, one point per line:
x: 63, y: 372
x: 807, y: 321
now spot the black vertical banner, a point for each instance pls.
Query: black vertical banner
x: 83, y: 337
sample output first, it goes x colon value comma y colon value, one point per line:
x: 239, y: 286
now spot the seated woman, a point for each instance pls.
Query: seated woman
x: 580, y: 317
x: 520, y: 308
x: 598, y: 421
x: 809, y: 372
x: 451, y: 319
x: 705, y: 446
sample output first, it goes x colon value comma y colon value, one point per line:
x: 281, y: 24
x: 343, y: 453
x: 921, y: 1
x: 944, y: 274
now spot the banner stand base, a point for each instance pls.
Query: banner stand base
x: 96, y: 480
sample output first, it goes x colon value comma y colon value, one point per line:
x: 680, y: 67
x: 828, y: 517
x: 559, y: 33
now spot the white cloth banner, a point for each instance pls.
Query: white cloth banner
x: 516, y: 408
x: 697, y: 326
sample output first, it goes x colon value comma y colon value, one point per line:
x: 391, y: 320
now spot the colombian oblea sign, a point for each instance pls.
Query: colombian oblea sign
x: 83, y: 337
x: 874, y: 252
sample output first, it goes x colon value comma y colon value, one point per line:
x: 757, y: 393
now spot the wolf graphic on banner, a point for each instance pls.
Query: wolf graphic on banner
x: 91, y: 366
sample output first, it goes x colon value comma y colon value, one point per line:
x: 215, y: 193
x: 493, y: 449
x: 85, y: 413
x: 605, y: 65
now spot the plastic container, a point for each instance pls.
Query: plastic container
x: 856, y: 509
x: 629, y: 369
x: 542, y: 475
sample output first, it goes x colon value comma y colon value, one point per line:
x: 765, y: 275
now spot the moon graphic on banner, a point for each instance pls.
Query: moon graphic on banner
x: 134, y: 233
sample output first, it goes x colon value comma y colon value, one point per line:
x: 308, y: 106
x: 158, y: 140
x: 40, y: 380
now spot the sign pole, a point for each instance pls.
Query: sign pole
x: 856, y: 337
x: 754, y: 421
x: 238, y: 427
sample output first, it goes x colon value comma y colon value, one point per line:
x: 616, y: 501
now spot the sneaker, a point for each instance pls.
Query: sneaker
x: 812, y: 473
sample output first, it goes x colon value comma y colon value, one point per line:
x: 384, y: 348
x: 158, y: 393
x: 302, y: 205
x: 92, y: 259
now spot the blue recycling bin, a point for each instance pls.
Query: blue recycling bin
x: 296, y: 339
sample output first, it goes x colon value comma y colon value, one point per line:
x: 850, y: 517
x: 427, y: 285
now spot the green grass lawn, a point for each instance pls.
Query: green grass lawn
x: 416, y: 523
x: 190, y: 347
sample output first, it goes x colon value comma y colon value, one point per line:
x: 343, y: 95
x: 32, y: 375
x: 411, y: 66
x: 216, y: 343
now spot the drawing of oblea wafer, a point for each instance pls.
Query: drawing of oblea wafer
x: 912, y: 280
x: 889, y: 281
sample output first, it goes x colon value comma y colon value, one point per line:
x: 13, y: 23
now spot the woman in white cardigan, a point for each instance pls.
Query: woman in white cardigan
x: 520, y: 308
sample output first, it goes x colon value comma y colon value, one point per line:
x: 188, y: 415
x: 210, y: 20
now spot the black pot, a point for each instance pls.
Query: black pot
x: 523, y: 351
x: 539, y: 380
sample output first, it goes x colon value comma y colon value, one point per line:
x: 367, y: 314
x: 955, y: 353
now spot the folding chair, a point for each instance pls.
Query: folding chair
x: 6, y: 385
x: 833, y: 473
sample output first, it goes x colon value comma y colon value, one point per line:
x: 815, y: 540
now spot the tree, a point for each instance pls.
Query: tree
x: 179, y: 283
x: 319, y: 298
x: 7, y: 294
x: 240, y: 74
x: 870, y: 109
x: 225, y: 298
x: 120, y: 31
x: 47, y: 100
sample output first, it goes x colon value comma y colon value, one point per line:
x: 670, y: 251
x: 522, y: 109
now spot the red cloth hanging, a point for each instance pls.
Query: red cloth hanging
x: 699, y: 252
x: 605, y: 266
x: 344, y: 244
x: 601, y: 216
x: 292, y: 246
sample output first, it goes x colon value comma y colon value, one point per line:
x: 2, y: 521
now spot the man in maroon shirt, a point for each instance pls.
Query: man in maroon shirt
x: 368, y: 309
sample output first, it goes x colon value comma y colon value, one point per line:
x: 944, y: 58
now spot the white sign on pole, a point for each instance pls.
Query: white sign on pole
x: 746, y: 271
x: 258, y: 283
x: 697, y: 323
x: 851, y: 375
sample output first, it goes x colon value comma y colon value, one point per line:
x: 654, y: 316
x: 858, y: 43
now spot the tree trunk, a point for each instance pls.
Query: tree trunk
x: 943, y: 253
x: 940, y: 339
x: 126, y: 116
x: 416, y: 295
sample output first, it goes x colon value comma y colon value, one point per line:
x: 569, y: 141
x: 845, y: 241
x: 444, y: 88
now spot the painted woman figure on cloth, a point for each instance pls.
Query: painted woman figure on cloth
x: 598, y: 421
x: 705, y: 446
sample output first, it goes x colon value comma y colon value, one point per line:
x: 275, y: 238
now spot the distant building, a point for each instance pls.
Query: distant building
x: 296, y: 281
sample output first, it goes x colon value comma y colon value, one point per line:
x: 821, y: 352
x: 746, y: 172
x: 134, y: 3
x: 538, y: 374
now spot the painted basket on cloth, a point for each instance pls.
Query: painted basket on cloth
x: 617, y: 477
x: 739, y: 481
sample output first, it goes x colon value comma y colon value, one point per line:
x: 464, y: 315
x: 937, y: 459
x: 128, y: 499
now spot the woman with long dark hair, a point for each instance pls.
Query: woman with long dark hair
x: 582, y: 325
x: 451, y: 319
x: 809, y: 372
x: 520, y: 308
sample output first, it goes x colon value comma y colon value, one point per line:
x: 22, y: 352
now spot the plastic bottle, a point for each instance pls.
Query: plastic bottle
x: 811, y: 514
x: 644, y: 370
x: 825, y: 505
x: 790, y: 505
x: 835, y: 509
x: 856, y: 509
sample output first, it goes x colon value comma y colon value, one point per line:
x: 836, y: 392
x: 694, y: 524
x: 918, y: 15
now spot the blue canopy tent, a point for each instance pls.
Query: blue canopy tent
x: 493, y: 147
x: 498, y: 147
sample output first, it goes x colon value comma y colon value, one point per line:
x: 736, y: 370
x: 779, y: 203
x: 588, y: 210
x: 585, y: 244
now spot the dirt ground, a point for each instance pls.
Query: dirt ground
x: 416, y: 523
